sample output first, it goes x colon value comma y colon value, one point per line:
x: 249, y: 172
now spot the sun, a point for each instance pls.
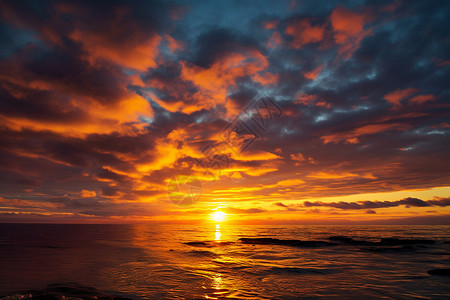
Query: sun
x: 218, y: 216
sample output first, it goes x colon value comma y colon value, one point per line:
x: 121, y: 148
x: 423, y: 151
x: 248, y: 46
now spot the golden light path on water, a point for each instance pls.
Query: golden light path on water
x: 218, y: 235
x: 217, y: 278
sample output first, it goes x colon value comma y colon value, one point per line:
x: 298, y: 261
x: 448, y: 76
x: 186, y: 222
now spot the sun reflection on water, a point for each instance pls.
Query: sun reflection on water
x: 218, y: 281
x: 218, y: 234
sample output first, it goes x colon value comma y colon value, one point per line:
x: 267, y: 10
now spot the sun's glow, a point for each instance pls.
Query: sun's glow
x: 218, y: 216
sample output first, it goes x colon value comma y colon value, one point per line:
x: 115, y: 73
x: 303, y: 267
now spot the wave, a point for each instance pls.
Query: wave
x: 291, y: 271
x: 388, y: 241
x: 207, y: 244
x: 292, y: 243
x: 202, y: 253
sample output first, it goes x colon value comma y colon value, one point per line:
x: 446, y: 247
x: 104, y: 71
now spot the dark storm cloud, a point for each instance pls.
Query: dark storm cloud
x: 415, y: 202
x: 363, y: 81
x: 216, y: 43
x: 149, y: 15
x: 39, y: 105
x: 81, y: 162
x: 440, y: 202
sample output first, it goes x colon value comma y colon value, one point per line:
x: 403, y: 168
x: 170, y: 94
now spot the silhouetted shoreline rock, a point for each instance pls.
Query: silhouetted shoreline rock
x: 61, y: 291
x: 439, y: 272
x: 382, y: 242
x: 350, y: 241
x: 383, y: 245
x: 390, y: 249
x: 198, y: 244
x: 400, y: 242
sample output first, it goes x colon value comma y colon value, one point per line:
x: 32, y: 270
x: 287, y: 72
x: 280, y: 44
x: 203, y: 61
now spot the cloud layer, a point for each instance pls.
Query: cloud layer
x: 103, y: 103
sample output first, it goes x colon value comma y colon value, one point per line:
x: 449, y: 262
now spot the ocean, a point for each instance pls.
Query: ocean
x: 228, y: 261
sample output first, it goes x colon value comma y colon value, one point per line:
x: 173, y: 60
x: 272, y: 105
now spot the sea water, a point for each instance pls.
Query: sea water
x: 211, y: 262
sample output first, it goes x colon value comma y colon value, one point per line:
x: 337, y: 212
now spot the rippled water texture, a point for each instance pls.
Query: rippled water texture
x: 166, y: 261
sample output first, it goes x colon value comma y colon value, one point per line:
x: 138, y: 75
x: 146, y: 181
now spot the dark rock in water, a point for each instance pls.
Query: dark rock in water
x: 340, y: 238
x: 292, y: 243
x: 307, y: 271
x: 398, y: 242
x: 350, y: 241
x: 65, y: 291
x: 201, y: 253
x: 208, y: 244
x: 440, y: 272
x: 383, y: 242
x: 390, y: 249
x: 198, y: 244
x: 385, y: 245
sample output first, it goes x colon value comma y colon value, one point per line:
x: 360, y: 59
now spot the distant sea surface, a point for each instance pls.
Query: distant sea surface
x: 211, y: 262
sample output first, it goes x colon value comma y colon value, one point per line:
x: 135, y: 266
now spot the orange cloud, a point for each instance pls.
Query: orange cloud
x: 271, y: 24
x: 290, y: 182
x: 266, y: 79
x: 339, y: 175
x: 214, y: 82
x: 398, y: 95
x: 364, y: 130
x: 256, y: 155
x: 306, y: 99
x: 139, y: 53
x: 422, y: 98
x: 123, y: 115
x: 174, y: 45
x: 275, y: 40
x: 88, y: 194
x: 313, y: 74
x: 332, y: 175
x: 323, y: 104
x: 349, y: 30
x: 352, y: 141
x: 303, y: 33
x: 444, y: 125
x: 298, y: 157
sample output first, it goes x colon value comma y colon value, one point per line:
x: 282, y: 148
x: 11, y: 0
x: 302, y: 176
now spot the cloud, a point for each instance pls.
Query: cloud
x: 395, y: 97
x: 364, y: 130
x: 116, y: 100
x: 303, y: 32
x: 419, y: 99
x: 349, y: 29
x: 124, y: 34
x: 440, y: 202
x: 233, y: 210
x: 415, y: 202
x: 88, y: 194
x: 275, y: 40
x: 313, y: 74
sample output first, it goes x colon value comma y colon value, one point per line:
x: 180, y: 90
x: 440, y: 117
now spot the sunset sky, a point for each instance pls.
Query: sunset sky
x: 104, y: 104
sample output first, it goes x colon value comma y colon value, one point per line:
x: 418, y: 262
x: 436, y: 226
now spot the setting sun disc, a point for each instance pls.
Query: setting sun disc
x: 218, y: 216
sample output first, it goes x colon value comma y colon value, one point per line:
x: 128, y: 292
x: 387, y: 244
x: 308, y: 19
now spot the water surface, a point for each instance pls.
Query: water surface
x: 209, y: 261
